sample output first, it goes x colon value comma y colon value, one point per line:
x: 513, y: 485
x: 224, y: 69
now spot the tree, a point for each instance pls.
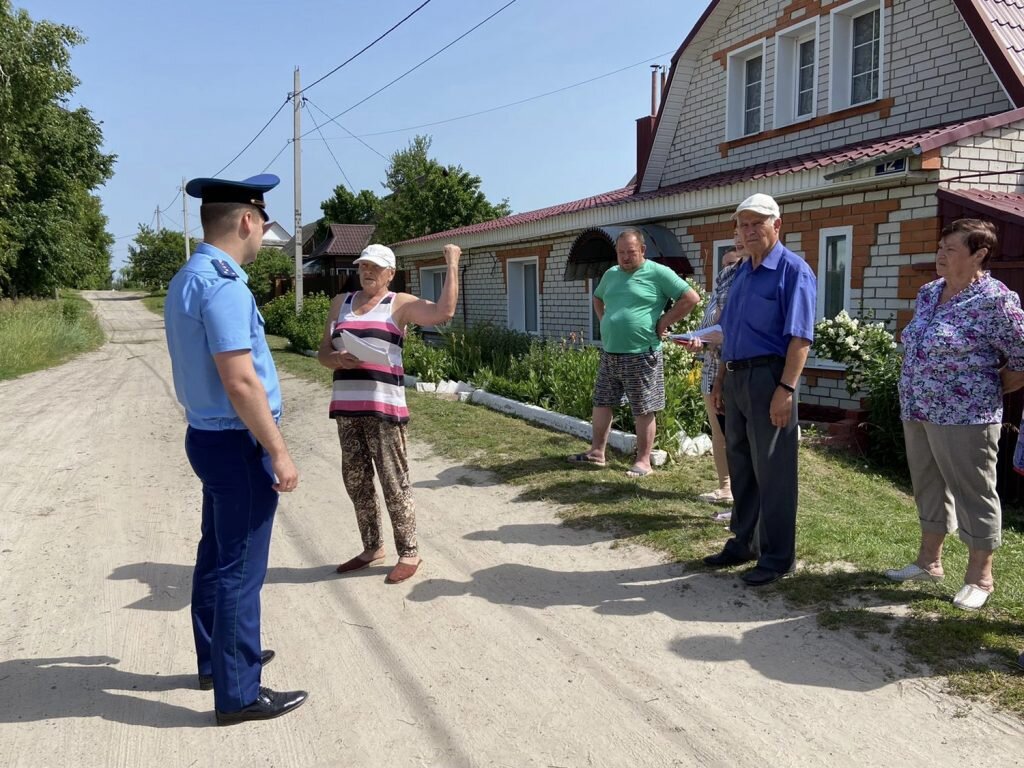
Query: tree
x: 270, y: 263
x: 154, y: 258
x: 425, y: 197
x: 52, y: 230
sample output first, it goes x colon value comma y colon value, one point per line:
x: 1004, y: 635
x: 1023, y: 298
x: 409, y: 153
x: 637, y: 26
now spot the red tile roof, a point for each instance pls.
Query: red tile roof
x: 1007, y: 206
x: 345, y: 240
x: 917, y: 141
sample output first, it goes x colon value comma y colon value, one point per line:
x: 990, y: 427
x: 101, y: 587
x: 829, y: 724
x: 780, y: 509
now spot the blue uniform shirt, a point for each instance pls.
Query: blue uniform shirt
x: 210, y: 309
x: 768, y: 306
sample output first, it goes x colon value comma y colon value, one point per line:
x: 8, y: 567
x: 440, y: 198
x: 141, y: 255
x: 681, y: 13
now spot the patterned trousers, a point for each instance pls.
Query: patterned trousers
x: 368, y: 442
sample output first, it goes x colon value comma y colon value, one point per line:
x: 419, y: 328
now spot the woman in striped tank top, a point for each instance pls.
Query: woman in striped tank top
x: 368, y: 399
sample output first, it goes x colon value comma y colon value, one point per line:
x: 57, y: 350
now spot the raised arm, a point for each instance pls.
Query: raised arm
x: 409, y: 309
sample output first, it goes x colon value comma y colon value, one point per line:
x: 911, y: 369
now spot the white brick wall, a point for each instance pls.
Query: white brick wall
x: 933, y: 70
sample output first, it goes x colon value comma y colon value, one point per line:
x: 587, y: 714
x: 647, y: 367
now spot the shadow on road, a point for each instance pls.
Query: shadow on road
x: 89, y: 686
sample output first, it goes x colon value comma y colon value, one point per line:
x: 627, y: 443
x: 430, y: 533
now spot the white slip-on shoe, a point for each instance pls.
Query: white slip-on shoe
x: 971, y: 597
x: 911, y: 572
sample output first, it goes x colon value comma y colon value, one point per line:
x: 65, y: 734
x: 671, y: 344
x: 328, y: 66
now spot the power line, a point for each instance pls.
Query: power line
x: 346, y: 130
x: 279, y: 153
x: 365, y: 49
x: 499, y: 107
x: 168, y: 206
x: 331, y: 151
x: 410, y: 71
x: 252, y: 141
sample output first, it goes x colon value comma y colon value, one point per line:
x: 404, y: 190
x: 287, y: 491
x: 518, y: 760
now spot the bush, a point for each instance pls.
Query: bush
x: 279, y: 315
x: 426, y: 362
x: 270, y: 263
x: 873, y: 363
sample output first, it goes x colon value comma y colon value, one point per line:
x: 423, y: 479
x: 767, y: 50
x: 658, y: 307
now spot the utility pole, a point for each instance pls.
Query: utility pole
x: 297, y: 160
x: 158, y: 219
x: 184, y: 216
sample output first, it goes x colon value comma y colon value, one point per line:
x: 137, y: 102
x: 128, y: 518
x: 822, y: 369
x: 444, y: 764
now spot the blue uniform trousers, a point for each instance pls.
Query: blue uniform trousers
x: 762, y: 468
x: 231, y: 562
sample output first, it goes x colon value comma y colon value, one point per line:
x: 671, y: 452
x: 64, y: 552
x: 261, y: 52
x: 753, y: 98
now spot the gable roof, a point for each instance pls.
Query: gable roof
x: 997, y: 26
x: 307, y: 242
x: 851, y: 155
x: 345, y: 240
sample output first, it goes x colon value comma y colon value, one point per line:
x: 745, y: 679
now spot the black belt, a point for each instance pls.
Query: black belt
x: 752, y: 362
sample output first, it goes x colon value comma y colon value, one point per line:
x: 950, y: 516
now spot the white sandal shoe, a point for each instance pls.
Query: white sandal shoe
x: 971, y: 597
x: 911, y: 572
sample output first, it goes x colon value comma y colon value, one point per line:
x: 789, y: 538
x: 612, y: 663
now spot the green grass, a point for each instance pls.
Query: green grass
x: 40, y: 333
x: 853, y: 524
x: 154, y: 302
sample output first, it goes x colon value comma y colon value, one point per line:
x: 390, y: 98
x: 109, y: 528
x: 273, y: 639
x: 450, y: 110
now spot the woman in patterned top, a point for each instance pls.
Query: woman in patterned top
x: 368, y: 399
x: 713, y: 305
x: 963, y: 350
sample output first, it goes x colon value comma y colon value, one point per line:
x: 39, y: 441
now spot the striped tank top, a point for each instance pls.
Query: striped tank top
x: 371, y: 390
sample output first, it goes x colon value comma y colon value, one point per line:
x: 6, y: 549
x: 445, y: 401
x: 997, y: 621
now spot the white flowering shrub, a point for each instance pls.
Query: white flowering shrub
x: 859, y: 345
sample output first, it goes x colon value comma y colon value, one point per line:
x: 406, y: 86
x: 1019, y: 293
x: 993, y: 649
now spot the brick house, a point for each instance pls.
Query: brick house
x: 871, y: 122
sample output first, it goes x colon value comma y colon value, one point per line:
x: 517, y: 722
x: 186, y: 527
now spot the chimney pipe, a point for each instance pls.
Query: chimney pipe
x: 661, y: 93
x: 654, y: 89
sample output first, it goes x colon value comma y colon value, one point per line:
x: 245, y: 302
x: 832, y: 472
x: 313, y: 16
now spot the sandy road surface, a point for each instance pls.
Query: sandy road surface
x: 521, y: 644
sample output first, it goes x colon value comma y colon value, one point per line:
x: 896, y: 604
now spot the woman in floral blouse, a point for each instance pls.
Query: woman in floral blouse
x: 965, y: 326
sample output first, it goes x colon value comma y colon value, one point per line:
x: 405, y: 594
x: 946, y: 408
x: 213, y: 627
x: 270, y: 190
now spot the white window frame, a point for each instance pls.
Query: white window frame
x: 719, y: 247
x: 823, y: 236
x: 735, y: 90
x: 841, y: 53
x: 427, y: 280
x: 787, y: 72
x: 516, y: 311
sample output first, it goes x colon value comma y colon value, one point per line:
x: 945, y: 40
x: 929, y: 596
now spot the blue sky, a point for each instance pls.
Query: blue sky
x: 180, y: 88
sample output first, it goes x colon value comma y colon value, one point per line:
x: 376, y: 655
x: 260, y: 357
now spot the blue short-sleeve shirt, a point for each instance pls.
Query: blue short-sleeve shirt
x: 210, y: 309
x: 768, y: 306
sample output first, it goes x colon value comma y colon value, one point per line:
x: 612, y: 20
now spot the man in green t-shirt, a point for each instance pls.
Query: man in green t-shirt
x: 630, y: 303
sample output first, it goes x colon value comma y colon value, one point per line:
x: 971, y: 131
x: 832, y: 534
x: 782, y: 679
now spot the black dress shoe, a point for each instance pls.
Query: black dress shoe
x: 759, y: 577
x: 269, y: 704
x: 725, y: 558
x: 206, y: 681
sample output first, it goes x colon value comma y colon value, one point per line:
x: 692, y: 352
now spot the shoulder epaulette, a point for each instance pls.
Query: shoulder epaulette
x: 224, y: 269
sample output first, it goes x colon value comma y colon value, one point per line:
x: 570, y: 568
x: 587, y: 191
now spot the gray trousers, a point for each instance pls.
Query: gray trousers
x: 763, y: 468
x: 953, y: 468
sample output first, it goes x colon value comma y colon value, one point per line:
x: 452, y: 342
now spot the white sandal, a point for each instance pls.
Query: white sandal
x: 911, y: 572
x: 971, y: 597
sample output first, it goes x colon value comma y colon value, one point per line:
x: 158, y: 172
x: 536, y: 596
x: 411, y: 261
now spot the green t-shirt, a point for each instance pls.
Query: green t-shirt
x: 633, y: 302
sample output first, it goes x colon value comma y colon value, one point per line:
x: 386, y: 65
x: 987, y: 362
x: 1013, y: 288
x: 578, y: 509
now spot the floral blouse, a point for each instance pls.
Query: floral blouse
x: 953, y: 351
x: 713, y: 307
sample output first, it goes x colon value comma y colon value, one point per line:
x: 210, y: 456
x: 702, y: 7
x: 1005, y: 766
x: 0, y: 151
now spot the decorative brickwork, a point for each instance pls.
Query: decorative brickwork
x: 540, y: 251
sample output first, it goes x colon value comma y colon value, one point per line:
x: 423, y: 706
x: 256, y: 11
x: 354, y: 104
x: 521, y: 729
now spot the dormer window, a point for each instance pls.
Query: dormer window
x: 857, y: 54
x: 796, y: 73
x: 745, y: 95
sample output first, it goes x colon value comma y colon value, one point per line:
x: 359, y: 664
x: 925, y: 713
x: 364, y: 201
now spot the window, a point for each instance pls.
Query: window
x: 857, y: 53
x: 796, y: 69
x: 720, y: 247
x: 745, y: 92
x: 835, y: 260
x: 523, y: 296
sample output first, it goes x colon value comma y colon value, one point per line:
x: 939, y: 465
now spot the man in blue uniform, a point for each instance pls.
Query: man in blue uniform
x: 767, y: 329
x: 225, y: 378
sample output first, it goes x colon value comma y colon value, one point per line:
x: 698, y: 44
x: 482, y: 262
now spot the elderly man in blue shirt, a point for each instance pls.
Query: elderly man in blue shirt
x: 767, y: 328
x: 225, y: 378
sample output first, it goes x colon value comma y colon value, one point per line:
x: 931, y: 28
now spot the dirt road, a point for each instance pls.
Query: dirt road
x: 522, y: 643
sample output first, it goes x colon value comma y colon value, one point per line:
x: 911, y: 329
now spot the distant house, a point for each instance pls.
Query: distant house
x: 872, y: 123
x: 276, y: 237
x: 328, y: 264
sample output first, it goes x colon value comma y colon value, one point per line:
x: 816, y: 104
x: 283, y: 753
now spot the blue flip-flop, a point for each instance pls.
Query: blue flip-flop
x: 585, y: 458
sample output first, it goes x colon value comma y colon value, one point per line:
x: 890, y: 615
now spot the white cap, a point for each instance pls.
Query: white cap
x: 759, y: 203
x: 378, y: 254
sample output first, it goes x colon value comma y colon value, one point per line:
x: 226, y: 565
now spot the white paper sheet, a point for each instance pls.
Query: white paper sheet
x: 700, y: 334
x: 362, y: 349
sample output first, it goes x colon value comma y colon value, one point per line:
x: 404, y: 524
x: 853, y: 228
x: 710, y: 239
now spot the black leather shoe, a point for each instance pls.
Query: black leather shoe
x: 759, y: 577
x: 725, y: 558
x: 206, y: 681
x: 269, y: 704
